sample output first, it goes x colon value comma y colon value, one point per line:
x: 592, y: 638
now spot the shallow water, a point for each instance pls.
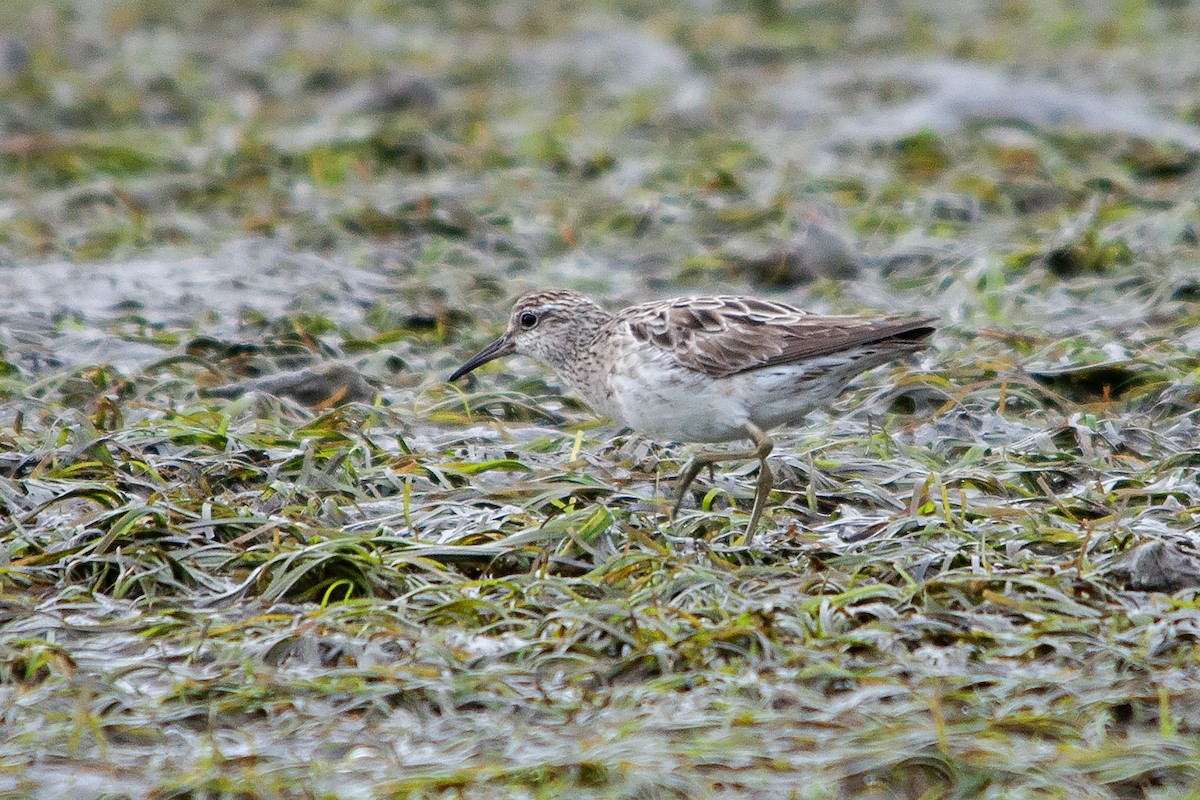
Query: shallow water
x: 474, y: 591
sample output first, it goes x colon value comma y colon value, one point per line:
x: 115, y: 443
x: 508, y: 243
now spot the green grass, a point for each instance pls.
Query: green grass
x: 474, y: 591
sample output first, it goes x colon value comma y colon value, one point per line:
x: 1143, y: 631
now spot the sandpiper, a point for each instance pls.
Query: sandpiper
x: 702, y: 369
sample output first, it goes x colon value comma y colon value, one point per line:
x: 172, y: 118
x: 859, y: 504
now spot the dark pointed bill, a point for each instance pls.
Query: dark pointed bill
x: 497, y: 349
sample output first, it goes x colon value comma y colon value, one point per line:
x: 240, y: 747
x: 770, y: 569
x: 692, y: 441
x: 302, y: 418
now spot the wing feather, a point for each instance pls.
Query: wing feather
x: 724, y: 335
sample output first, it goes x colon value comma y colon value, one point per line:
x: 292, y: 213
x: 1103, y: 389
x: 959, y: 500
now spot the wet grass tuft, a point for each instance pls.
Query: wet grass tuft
x: 251, y: 545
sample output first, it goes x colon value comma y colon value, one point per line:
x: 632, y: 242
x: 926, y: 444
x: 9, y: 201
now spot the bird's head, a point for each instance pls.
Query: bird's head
x: 550, y: 326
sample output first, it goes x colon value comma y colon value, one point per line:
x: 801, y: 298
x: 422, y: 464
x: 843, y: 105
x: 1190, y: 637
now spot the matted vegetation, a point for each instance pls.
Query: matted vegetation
x: 977, y: 577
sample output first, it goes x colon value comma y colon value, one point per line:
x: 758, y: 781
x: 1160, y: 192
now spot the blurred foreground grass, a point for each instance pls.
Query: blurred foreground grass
x: 439, y: 593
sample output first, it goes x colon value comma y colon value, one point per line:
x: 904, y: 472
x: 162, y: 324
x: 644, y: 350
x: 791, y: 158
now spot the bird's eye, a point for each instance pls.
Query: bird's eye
x: 528, y: 320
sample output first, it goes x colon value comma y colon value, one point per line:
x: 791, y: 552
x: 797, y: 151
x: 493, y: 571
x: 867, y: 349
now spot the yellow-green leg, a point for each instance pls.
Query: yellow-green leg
x: 763, y: 446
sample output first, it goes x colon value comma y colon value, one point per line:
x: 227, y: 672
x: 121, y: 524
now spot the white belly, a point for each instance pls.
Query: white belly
x: 684, y: 408
x: 667, y: 402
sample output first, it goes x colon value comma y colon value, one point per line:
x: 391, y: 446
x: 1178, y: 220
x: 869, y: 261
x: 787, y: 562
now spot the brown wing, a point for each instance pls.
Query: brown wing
x: 725, y: 335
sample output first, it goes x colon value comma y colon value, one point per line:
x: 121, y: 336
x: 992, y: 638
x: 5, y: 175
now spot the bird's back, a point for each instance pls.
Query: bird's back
x: 724, y: 335
x: 698, y: 369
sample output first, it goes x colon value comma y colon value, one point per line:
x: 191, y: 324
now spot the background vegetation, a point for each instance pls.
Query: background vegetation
x: 976, y: 578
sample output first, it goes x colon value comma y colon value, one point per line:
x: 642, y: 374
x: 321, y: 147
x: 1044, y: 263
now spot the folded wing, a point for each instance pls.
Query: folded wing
x: 724, y: 335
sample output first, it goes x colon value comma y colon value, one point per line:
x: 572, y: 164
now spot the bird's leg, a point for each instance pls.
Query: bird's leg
x: 690, y: 470
x: 763, y: 446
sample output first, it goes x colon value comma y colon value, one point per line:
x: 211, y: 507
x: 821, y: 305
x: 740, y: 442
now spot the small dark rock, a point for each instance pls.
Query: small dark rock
x: 324, y: 79
x: 333, y: 384
x: 1032, y: 196
x: 1161, y: 567
x: 405, y: 93
x: 14, y: 57
x: 956, y: 208
x: 817, y: 250
x: 389, y: 94
x: 1147, y: 159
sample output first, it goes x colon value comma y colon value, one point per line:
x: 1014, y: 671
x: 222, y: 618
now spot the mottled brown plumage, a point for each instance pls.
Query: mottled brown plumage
x: 702, y: 369
x: 724, y: 335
